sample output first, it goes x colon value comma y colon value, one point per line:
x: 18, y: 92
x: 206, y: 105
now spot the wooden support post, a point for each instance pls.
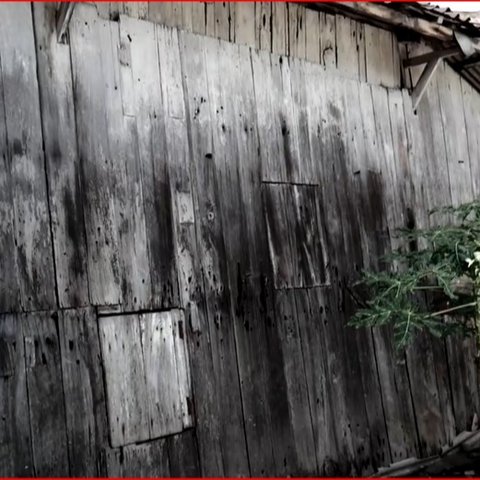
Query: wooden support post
x: 64, y: 13
x: 426, y: 57
x: 424, y: 80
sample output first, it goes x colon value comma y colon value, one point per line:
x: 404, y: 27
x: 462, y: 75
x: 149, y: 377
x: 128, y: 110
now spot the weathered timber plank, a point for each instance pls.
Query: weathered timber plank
x: 183, y: 455
x: 456, y: 141
x: 45, y: 394
x: 25, y: 160
x: 143, y: 460
x: 167, y: 373
x: 125, y: 174
x: 348, y: 63
x: 63, y: 166
x: 300, y: 414
x: 263, y: 26
x: 154, y: 172
x: 83, y: 388
x: 279, y: 28
x: 313, y: 39
x: 296, y: 30
x: 104, y: 274
x: 207, y: 161
x: 235, y: 145
x: 328, y: 41
x: 380, y: 61
x: 208, y: 423
x: 127, y: 405
x: 244, y: 28
x: 311, y: 313
x: 223, y: 27
x: 16, y: 458
x: 9, y: 281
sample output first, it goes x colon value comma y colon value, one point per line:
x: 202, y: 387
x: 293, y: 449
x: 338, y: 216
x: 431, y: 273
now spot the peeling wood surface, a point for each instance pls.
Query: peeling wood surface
x: 199, y: 210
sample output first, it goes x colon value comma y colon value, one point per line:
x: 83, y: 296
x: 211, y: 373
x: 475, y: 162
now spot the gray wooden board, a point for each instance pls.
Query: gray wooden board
x: 150, y: 108
x: 279, y: 28
x: 296, y: 30
x: 328, y: 54
x: 16, y: 457
x: 235, y: 145
x: 300, y: 414
x: 183, y: 454
x: 63, y: 166
x: 380, y: 61
x: 9, y: 281
x: 142, y: 460
x: 25, y: 159
x: 313, y: 38
x: 207, y: 162
x: 209, y: 424
x: 146, y: 395
x: 263, y: 25
x: 83, y: 387
x: 96, y: 164
x: 346, y: 44
x: 45, y: 393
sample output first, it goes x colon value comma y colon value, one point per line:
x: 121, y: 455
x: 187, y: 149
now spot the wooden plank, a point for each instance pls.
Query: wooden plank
x: 263, y: 25
x: 245, y: 31
x: 129, y: 214
x: 16, y: 458
x: 208, y: 423
x: 96, y: 163
x: 279, y: 235
x: 127, y: 407
x: 83, y: 389
x: 207, y: 161
x: 223, y: 28
x: 154, y: 170
x: 63, y: 165
x: 183, y: 455
x: 25, y: 158
x: 198, y: 17
x: 313, y: 40
x: 235, y: 144
x: 167, y: 375
x: 296, y: 30
x: 136, y: 9
x: 346, y: 43
x: 9, y: 281
x: 328, y: 41
x: 45, y: 394
x: 145, y: 460
x: 297, y: 390
x: 379, y: 58
x: 279, y: 28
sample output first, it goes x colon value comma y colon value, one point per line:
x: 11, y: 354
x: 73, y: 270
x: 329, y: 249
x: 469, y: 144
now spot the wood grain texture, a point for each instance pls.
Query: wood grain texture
x: 16, y: 456
x: 24, y: 159
x: 45, y: 394
x: 83, y: 388
x: 63, y: 167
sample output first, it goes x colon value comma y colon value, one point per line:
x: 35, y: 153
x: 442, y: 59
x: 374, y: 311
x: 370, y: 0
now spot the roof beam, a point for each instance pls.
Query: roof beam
x: 398, y: 19
x: 426, y: 57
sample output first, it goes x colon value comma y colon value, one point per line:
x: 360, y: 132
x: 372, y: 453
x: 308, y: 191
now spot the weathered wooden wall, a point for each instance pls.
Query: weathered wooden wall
x: 181, y: 220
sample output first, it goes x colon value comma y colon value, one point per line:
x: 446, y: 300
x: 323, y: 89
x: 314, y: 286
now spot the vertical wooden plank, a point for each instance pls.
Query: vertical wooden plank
x: 245, y: 31
x: 16, y: 457
x: 96, y: 164
x: 63, y: 166
x: 379, y: 57
x: 198, y: 58
x: 279, y: 28
x: 328, y: 41
x: 85, y: 402
x: 9, y: 282
x: 223, y: 28
x: 183, y: 455
x: 263, y: 25
x: 346, y: 43
x: 26, y: 160
x: 127, y: 407
x: 45, y: 394
x: 296, y: 30
x: 313, y: 41
x: 297, y: 393
x: 154, y: 171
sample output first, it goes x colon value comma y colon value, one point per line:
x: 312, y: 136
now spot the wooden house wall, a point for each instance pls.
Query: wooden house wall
x: 186, y: 215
